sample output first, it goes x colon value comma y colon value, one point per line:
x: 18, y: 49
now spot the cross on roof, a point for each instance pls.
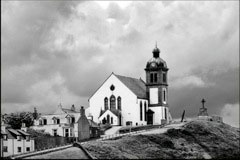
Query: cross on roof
x: 203, y: 101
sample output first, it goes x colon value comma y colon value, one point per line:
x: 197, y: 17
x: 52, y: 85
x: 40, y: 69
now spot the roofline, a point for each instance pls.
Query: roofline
x: 100, y: 86
x: 129, y: 88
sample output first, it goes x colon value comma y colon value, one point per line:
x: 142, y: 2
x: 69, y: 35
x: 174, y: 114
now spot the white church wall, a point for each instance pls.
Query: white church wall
x: 128, y: 99
x: 159, y: 114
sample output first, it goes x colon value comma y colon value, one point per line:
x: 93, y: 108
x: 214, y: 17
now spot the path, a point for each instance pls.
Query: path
x: 112, y: 130
x: 68, y: 153
x: 164, y: 129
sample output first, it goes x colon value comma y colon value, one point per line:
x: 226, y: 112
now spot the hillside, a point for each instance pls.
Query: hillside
x: 196, y: 139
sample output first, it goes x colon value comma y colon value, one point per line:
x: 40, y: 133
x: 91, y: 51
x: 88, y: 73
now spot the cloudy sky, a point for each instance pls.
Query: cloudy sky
x: 57, y: 51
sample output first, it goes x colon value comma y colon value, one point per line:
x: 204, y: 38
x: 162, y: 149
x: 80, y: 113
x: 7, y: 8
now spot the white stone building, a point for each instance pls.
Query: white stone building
x: 63, y: 122
x: 124, y: 100
x: 15, y: 141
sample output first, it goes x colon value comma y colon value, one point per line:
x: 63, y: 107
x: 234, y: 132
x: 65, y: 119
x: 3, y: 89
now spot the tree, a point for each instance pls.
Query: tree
x: 16, y: 119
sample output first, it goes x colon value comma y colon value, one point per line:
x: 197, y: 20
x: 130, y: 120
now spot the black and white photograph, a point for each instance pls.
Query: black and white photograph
x: 120, y: 79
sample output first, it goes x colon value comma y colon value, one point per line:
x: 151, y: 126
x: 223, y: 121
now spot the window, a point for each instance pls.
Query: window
x: 140, y: 110
x: 151, y: 77
x: 55, y: 132
x: 155, y: 77
x: 164, y: 95
x: 71, y: 132
x: 58, y: 121
x: 145, y: 111
x: 111, y: 120
x: 119, y: 103
x: 106, y: 103
x: 19, y: 149
x: 27, y: 138
x: 73, y: 119
x: 5, y: 149
x: 5, y: 137
x: 44, y: 121
x: 164, y: 77
x: 112, y: 102
x: 66, y: 132
x: 28, y: 149
x: 40, y: 122
x: 108, y: 118
x: 165, y: 113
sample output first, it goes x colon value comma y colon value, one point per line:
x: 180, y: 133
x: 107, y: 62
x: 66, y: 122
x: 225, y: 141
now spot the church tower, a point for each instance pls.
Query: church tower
x: 157, y: 89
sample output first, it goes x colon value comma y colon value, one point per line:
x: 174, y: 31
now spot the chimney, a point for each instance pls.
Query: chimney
x: 82, y: 111
x: 24, y: 128
x: 73, y: 108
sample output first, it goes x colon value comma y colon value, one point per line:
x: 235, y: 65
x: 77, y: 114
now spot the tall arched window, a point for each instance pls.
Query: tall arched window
x: 145, y: 111
x: 108, y: 118
x: 105, y: 103
x: 112, y: 102
x: 140, y: 110
x: 119, y: 103
x: 166, y: 113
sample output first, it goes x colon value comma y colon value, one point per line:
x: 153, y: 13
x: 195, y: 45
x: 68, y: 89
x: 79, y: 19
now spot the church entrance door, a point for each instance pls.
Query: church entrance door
x: 150, y: 116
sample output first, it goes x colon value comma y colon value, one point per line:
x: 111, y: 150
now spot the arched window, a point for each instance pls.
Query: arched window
x: 164, y: 95
x: 105, y: 103
x: 145, y: 111
x: 166, y: 113
x: 108, y: 119
x: 140, y: 110
x: 119, y: 103
x: 112, y: 102
x: 111, y: 120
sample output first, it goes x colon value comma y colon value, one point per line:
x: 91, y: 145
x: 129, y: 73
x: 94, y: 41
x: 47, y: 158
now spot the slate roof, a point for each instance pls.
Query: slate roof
x: 114, y: 111
x: 92, y: 123
x: 137, y: 86
x: 68, y: 110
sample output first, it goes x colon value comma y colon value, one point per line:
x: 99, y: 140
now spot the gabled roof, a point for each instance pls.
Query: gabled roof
x: 23, y: 132
x: 114, y: 111
x: 68, y: 110
x: 14, y: 132
x: 92, y: 123
x: 137, y: 86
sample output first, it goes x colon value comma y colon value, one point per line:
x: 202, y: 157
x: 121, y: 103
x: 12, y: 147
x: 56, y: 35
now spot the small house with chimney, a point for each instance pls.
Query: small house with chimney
x: 66, y: 122
x: 15, y: 141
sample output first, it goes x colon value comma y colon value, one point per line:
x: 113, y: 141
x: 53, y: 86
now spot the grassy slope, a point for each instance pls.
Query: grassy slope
x: 197, y: 139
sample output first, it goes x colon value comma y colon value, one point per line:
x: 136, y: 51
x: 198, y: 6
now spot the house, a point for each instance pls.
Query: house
x: 15, y: 141
x: 123, y: 100
x: 86, y: 127
x: 67, y: 123
x: 63, y: 122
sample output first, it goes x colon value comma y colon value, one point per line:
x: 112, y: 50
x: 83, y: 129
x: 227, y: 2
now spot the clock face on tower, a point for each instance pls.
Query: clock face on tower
x: 153, y: 64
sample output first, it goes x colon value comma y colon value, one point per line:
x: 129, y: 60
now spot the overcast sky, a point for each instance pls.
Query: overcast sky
x: 59, y: 51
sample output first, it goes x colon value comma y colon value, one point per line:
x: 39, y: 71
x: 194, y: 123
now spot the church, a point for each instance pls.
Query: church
x: 123, y: 101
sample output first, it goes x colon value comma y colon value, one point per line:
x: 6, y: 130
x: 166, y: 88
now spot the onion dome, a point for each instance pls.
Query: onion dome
x: 156, y: 61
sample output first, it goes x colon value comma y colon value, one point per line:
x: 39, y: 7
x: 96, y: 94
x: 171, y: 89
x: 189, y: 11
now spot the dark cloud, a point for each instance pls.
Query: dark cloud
x: 61, y: 51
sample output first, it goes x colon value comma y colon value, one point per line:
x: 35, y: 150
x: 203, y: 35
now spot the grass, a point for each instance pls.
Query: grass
x: 197, y: 139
